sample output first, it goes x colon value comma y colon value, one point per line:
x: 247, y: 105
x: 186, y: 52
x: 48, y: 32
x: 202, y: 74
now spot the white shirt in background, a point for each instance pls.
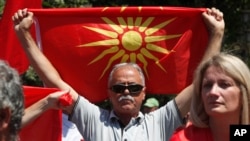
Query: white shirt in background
x: 69, y: 130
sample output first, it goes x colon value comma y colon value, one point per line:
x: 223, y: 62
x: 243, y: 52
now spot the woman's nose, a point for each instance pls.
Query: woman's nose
x: 214, y: 89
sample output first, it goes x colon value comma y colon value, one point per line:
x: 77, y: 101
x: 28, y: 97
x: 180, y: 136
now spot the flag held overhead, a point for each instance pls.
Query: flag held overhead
x: 84, y: 43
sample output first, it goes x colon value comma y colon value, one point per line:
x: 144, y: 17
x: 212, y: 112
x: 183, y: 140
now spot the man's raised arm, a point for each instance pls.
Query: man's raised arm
x: 214, y: 21
x: 23, y: 20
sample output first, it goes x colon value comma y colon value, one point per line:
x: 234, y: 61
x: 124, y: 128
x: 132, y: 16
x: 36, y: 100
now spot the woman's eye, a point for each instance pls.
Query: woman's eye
x: 207, y: 85
x: 224, y: 84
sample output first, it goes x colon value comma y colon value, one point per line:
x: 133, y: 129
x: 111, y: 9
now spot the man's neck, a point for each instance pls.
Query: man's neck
x: 125, y: 118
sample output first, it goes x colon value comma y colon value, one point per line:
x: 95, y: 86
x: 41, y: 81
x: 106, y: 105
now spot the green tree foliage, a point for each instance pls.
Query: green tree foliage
x: 65, y: 3
x: 2, y: 2
x: 30, y: 78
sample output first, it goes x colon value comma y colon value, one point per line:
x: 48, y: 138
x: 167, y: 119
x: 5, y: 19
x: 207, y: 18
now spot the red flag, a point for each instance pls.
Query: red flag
x: 48, y: 126
x: 84, y: 43
x: 10, y: 46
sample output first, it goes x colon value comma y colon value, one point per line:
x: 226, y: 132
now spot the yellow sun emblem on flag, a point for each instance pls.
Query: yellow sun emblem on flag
x: 136, y: 41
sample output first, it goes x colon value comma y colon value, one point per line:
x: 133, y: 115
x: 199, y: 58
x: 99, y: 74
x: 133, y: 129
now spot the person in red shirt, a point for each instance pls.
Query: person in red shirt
x: 221, y: 98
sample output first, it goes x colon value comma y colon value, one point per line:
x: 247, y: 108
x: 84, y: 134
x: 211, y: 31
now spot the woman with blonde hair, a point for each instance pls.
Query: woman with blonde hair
x: 221, y: 98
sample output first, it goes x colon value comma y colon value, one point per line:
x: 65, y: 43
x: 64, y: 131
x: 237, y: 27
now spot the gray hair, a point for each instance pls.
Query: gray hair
x: 131, y: 64
x: 11, y: 96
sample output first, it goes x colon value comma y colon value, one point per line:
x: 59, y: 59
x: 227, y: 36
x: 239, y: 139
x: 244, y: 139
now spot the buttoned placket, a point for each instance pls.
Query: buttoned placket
x: 120, y: 131
x: 132, y: 123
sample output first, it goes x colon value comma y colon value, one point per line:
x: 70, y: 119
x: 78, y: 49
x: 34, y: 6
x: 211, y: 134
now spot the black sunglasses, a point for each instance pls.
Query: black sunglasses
x: 132, y: 88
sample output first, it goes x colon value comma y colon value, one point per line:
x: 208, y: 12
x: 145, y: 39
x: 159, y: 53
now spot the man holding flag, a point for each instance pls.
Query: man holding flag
x: 126, y: 91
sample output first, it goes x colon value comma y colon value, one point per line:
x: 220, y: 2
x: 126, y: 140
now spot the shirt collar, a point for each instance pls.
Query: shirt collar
x: 139, y: 118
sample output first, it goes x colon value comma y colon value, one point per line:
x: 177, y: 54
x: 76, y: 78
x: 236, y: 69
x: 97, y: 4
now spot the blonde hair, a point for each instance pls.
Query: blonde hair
x: 234, y: 68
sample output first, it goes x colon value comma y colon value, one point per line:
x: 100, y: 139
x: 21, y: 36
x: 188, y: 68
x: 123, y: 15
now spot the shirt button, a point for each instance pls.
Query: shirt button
x: 125, y: 139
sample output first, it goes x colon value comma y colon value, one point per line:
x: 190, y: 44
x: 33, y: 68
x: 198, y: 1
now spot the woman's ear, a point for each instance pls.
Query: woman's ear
x: 5, y: 115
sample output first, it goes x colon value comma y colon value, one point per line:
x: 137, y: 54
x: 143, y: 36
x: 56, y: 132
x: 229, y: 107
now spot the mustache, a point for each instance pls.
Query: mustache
x: 127, y: 97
